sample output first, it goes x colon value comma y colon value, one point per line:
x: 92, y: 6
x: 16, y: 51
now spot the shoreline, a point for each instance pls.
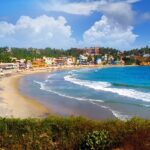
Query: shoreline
x: 13, y: 103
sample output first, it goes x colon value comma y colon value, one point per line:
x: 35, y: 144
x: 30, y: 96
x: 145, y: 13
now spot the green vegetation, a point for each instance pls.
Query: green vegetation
x: 73, y: 133
x: 144, y: 50
x: 31, y: 53
x: 97, y: 140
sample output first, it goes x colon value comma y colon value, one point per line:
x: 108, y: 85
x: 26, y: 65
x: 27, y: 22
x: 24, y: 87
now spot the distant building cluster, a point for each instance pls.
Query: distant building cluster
x: 90, y: 56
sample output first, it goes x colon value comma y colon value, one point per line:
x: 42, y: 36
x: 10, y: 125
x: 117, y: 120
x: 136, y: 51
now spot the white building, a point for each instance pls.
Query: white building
x: 71, y: 61
x: 99, y: 61
x: 29, y: 64
x: 7, y: 66
x: 146, y: 55
x: 83, y: 59
x: 49, y: 60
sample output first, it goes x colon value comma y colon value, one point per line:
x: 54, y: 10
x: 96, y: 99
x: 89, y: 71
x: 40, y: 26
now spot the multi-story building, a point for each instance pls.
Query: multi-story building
x: 71, y: 61
x: 38, y: 63
x: 92, y: 51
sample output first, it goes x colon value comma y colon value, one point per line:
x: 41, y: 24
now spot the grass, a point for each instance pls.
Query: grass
x: 70, y: 133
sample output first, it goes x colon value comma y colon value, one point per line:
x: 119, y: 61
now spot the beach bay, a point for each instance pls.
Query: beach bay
x: 74, y: 92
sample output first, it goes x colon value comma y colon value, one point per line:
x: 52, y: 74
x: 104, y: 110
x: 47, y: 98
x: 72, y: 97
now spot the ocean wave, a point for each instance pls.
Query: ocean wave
x: 105, y: 86
x: 91, y: 84
x: 120, y: 115
x: 45, y: 88
x: 145, y: 105
x: 116, y: 113
x: 131, y: 86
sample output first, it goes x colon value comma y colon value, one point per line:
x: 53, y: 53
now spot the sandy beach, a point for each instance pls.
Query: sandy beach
x: 14, y: 104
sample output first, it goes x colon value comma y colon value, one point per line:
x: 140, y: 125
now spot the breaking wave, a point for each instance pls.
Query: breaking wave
x: 45, y: 88
x: 105, y: 86
x: 117, y: 114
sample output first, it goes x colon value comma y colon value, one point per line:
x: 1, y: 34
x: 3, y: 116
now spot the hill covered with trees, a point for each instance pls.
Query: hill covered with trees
x: 129, y: 57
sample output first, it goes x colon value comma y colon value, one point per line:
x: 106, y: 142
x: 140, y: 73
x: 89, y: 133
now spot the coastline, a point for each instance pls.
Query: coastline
x: 15, y: 104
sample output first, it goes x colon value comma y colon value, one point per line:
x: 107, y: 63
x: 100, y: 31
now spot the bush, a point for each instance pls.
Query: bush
x: 97, y: 140
x: 73, y: 133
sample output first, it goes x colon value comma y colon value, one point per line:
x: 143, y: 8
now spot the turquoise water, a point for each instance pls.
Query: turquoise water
x: 124, y: 91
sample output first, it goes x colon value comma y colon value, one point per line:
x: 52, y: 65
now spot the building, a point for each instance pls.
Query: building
x: 82, y: 59
x: 38, y: 63
x: 110, y: 60
x: 146, y: 55
x: 28, y: 64
x: 99, y: 61
x: 92, y: 51
x: 70, y: 61
x: 49, y: 61
x: 60, y: 61
x: 8, y: 66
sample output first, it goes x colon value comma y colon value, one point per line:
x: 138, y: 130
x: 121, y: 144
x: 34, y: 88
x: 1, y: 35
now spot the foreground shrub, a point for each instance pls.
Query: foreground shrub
x: 74, y: 133
x: 97, y: 140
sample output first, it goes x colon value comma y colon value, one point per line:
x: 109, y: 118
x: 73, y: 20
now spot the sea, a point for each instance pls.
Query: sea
x: 123, y: 92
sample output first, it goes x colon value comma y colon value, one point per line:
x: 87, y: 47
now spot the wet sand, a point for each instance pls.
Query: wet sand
x: 13, y: 104
x: 17, y: 105
x: 62, y: 105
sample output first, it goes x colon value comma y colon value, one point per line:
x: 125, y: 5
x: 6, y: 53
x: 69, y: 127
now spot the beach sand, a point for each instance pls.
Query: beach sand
x: 14, y: 104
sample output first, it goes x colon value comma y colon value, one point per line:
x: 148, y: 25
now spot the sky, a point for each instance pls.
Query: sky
x: 121, y: 24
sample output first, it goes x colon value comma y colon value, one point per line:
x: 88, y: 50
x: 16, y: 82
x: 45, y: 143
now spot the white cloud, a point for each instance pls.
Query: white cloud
x: 109, y: 33
x: 89, y: 6
x: 42, y: 31
x: 132, y: 1
x: 121, y: 12
x: 45, y: 31
x: 114, y: 29
x: 146, y: 16
x: 77, y: 8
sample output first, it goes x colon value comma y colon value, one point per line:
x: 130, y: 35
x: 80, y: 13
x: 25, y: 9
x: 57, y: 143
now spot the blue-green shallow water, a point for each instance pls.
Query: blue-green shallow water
x: 123, y: 91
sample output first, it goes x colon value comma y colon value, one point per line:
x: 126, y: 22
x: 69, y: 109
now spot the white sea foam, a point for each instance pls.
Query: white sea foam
x: 45, y: 88
x: 117, y: 114
x: 120, y: 115
x: 91, y: 84
x: 145, y: 105
x: 105, y: 86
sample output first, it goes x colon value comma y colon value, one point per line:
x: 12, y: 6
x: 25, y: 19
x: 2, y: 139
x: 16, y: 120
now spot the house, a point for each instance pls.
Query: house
x: 60, y: 61
x: 8, y: 66
x: 110, y: 60
x: 71, y: 61
x: 21, y: 63
x: 145, y: 63
x: 146, y: 55
x: 28, y: 64
x: 92, y: 51
x: 105, y: 58
x: 38, y: 63
x: 99, y: 61
x: 82, y: 59
x: 49, y: 61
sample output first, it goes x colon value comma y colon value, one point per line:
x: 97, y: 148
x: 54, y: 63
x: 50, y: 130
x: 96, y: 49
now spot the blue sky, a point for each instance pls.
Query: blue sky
x: 122, y: 24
